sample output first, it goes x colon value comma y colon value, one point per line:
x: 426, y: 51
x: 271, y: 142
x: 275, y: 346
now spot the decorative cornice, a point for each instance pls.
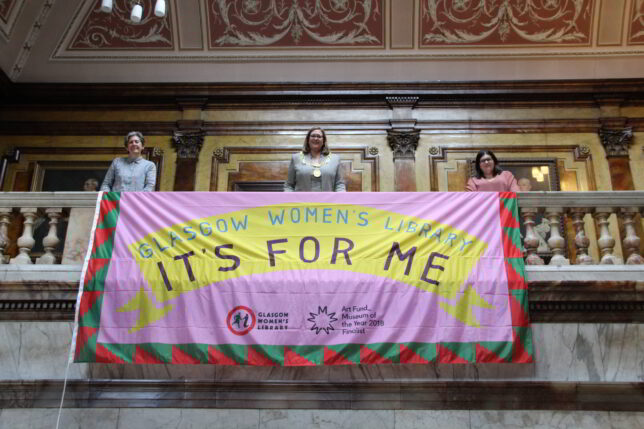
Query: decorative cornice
x: 344, y: 394
x: 403, y: 143
x: 188, y: 143
x: 524, y: 93
x: 402, y: 101
x: 616, y: 142
x: 596, y: 296
x: 119, y: 128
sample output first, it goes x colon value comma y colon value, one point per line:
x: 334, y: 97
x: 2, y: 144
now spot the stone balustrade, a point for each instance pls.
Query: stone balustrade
x: 579, y: 266
x: 31, y: 208
x: 560, y: 228
x: 594, y: 219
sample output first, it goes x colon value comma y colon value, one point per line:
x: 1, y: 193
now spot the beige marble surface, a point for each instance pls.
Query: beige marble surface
x: 98, y: 418
x: 563, y: 352
x: 77, y: 238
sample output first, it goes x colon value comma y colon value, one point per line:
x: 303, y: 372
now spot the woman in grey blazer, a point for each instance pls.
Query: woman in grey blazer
x: 315, y: 169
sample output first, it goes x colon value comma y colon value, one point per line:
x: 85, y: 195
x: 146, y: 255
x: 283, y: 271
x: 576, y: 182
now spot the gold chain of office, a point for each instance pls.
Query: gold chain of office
x: 317, y: 172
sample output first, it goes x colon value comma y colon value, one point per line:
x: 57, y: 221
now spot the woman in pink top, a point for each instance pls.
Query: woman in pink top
x: 489, y: 177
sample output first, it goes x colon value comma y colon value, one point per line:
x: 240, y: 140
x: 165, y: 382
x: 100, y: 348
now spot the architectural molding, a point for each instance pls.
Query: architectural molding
x: 440, y: 154
x: 616, y: 142
x: 31, y: 39
x: 188, y: 143
x: 221, y: 156
x: 119, y: 128
x: 577, y: 93
x: 340, y: 395
x: 403, y: 143
x: 575, y: 293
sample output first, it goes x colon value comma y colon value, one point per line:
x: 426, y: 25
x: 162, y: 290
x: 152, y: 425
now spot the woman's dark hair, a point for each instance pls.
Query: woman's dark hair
x: 477, y: 165
x: 132, y: 134
x: 325, y: 149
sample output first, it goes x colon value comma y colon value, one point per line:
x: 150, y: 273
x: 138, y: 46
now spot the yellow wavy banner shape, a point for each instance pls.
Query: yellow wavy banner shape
x: 421, y: 253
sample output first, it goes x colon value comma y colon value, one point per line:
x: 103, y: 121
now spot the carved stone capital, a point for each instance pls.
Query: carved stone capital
x: 403, y: 143
x: 616, y: 142
x: 188, y: 143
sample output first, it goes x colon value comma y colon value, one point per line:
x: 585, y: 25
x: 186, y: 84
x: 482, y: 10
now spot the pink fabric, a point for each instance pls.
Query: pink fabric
x: 409, y: 313
x: 503, y: 182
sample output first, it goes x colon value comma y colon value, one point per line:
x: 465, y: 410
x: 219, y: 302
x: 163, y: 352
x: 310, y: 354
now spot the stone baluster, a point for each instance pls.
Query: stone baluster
x: 26, y: 240
x: 51, y: 240
x: 605, y: 242
x: 581, y: 240
x: 531, y: 241
x: 631, y: 241
x: 5, y: 220
x: 556, y: 242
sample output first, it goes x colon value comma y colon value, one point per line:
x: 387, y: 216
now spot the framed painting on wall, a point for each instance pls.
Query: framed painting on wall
x: 51, y: 176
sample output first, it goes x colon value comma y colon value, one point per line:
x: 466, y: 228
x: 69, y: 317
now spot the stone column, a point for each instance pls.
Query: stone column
x: 26, y: 240
x: 188, y: 145
x: 187, y: 140
x: 51, y: 240
x: 616, y: 143
x: 403, y: 141
x: 5, y: 220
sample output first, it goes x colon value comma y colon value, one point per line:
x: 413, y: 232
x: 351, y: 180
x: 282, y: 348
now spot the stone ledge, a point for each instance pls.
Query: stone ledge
x: 534, y: 273
x: 483, y: 395
x: 590, y: 293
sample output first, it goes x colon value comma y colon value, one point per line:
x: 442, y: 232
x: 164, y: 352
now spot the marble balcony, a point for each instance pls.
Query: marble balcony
x: 586, y: 282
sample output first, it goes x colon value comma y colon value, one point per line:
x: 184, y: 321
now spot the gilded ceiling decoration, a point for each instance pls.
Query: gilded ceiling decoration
x: 505, y: 22
x: 636, y: 31
x: 115, y: 30
x: 295, y: 23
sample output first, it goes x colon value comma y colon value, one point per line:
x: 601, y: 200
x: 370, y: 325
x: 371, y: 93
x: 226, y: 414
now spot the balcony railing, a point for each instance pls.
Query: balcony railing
x: 560, y: 228
x: 582, y: 249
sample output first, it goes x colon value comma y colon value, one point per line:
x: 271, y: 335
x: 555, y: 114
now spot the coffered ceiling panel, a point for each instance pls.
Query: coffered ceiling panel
x: 301, y: 23
x: 506, y: 23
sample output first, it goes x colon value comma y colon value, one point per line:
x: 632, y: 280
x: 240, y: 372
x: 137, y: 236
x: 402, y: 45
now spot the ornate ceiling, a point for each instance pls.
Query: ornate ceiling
x: 322, y: 40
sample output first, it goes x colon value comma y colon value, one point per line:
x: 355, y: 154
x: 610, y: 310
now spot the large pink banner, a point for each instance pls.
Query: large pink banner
x: 305, y: 279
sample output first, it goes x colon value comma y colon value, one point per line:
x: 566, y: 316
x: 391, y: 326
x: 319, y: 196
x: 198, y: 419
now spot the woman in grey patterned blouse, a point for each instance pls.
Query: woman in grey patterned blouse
x: 132, y: 173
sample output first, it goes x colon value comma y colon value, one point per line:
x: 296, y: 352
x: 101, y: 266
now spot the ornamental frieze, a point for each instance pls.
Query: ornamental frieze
x: 505, y: 22
x: 114, y: 30
x: 295, y: 23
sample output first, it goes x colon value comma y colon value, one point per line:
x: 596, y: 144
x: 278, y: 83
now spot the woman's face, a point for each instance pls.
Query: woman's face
x: 316, y: 141
x: 134, y: 146
x: 487, y: 165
